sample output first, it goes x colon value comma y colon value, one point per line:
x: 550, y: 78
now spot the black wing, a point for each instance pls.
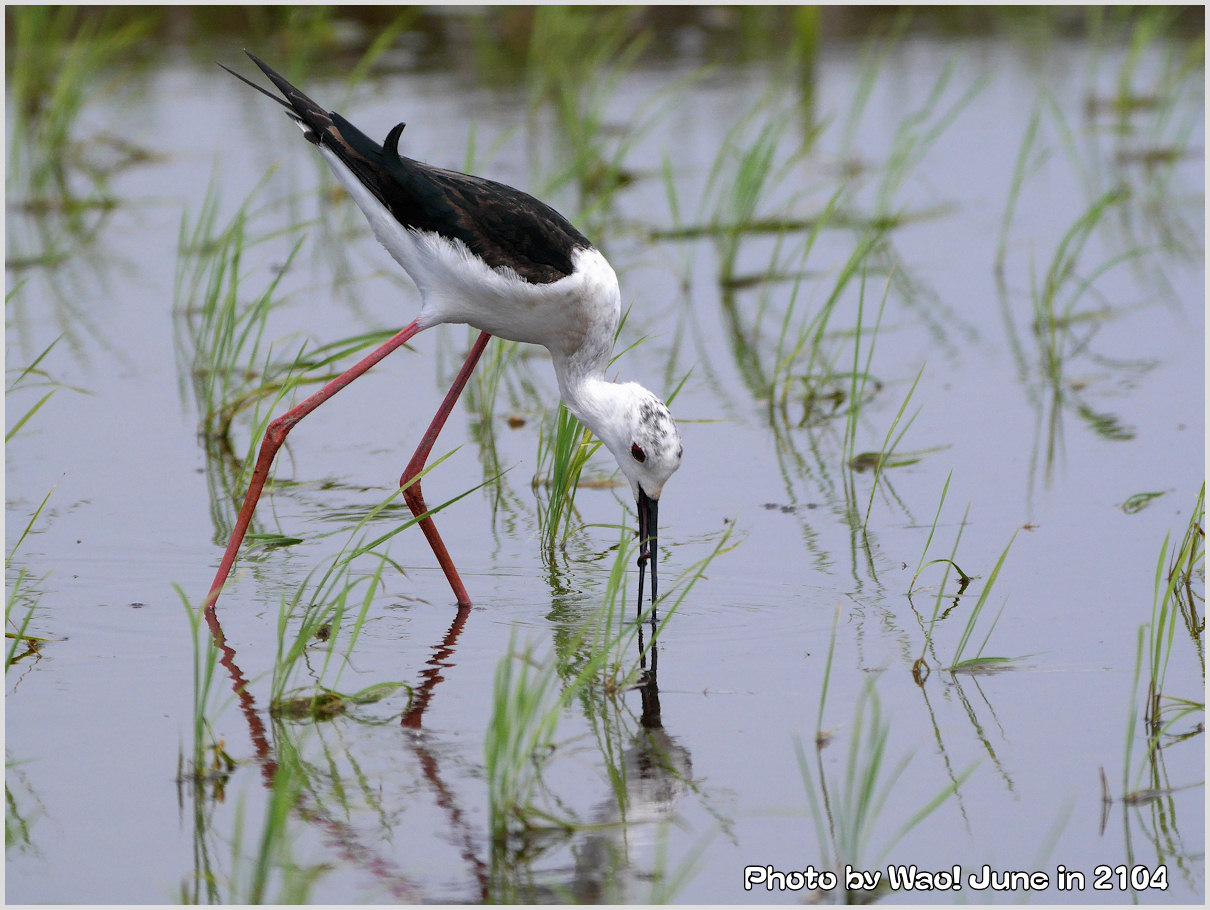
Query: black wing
x: 501, y: 225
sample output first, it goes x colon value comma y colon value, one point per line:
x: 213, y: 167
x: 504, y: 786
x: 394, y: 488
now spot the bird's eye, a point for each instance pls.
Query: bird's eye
x: 638, y: 453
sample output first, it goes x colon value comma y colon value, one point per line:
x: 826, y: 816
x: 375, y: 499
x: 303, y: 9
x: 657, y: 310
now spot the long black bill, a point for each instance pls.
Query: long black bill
x: 648, y: 528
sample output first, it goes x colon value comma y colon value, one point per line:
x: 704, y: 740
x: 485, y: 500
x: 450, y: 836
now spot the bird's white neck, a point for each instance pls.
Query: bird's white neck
x: 591, y: 398
x: 631, y: 422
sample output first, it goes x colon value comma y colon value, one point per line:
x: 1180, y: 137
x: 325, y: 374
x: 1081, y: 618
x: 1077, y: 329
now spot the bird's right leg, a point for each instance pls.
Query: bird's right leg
x: 275, y: 435
x: 410, y: 481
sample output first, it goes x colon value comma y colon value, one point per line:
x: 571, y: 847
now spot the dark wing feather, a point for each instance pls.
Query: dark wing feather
x: 501, y: 225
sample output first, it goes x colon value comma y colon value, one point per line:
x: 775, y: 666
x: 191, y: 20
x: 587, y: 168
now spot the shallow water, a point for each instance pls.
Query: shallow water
x: 98, y: 721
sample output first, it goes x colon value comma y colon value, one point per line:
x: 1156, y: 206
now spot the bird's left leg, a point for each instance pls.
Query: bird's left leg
x: 275, y: 436
x: 410, y: 481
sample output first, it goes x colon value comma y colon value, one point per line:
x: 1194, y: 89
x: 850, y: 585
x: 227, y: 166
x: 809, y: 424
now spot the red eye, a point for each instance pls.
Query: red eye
x: 639, y: 454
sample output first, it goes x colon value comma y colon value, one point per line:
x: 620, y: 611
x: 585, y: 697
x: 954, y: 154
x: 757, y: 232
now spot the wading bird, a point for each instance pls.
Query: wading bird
x: 493, y: 257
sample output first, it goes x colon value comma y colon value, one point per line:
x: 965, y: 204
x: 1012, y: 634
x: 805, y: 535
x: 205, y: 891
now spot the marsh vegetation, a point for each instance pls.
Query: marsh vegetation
x: 925, y: 291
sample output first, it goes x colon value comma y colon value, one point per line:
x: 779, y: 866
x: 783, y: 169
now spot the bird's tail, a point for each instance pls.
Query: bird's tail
x: 357, y: 151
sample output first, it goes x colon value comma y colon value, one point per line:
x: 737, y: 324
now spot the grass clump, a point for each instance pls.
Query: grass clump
x: 859, y: 379
x: 221, y: 337
x: 209, y: 766
x: 562, y: 455
x: 328, y: 612
x: 1178, y: 597
x: 1062, y: 323
x: 980, y: 661
x: 961, y: 662
x: 847, y: 813
x: 592, y: 666
x: 577, y: 56
x: 21, y: 602
x: 265, y: 869
x: 32, y: 376
x: 57, y: 59
x: 526, y: 708
x: 223, y: 344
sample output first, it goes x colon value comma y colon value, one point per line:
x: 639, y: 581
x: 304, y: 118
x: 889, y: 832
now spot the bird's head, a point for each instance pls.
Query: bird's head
x: 643, y: 437
x: 639, y: 431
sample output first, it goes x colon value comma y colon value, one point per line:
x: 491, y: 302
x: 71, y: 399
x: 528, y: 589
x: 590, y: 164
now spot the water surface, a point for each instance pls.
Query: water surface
x: 99, y: 721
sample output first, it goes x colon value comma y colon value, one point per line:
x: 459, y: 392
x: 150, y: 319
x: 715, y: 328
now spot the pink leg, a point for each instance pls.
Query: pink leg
x: 410, y: 484
x: 275, y: 435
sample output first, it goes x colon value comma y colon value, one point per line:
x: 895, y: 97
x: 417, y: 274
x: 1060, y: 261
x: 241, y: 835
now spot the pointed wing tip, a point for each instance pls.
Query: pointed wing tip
x: 261, y: 89
x: 275, y: 77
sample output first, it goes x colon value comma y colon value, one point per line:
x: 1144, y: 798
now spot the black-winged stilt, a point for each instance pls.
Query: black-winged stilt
x: 495, y: 258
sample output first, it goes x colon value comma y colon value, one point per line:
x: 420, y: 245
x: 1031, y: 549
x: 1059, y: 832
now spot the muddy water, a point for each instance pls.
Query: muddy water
x: 97, y: 723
